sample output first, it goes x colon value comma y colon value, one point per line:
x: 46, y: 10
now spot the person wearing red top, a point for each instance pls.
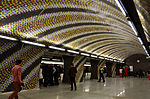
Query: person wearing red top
x: 16, y: 71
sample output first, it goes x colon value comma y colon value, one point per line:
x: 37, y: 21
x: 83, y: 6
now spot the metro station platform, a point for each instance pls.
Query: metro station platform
x: 113, y: 88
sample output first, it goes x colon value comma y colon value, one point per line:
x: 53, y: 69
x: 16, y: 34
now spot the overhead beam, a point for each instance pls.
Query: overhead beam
x: 133, y: 16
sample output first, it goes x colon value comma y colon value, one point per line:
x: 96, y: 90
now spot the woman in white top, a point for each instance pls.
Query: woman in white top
x: 41, y: 77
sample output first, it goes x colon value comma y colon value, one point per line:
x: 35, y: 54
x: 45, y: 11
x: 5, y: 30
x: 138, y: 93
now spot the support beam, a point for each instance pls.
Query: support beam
x: 67, y: 63
x: 94, y: 67
x: 109, y: 69
x: 133, y: 16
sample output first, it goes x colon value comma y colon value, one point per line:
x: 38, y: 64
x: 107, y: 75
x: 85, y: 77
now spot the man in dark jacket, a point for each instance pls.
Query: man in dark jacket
x: 72, y: 73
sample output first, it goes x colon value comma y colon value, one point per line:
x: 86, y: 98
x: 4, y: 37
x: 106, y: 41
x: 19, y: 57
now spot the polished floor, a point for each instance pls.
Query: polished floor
x: 113, y: 88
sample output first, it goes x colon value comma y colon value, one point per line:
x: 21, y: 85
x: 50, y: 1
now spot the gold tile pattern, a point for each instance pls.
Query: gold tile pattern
x: 71, y: 23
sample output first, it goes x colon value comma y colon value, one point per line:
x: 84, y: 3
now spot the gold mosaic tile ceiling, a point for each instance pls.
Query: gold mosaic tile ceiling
x: 143, y: 9
x: 92, y: 26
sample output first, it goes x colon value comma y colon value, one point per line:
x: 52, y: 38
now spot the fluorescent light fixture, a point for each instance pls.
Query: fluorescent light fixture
x: 133, y: 27
x: 119, y: 59
x: 115, y: 60
x: 57, y: 48
x: 120, y: 5
x: 8, y: 38
x: 140, y: 40
x: 87, y: 65
x: 105, y: 58
x: 85, y: 54
x: 146, y: 52
x: 71, y: 51
x: 51, y: 62
x: 101, y: 57
x: 56, y: 59
x: 46, y: 58
x: 111, y: 59
x: 33, y: 43
x: 94, y: 56
x: 144, y: 48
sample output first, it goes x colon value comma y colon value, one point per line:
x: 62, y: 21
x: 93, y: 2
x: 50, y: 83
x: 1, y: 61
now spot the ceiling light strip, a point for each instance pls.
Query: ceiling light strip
x: 120, y: 5
x: 133, y: 27
x: 52, y: 62
x: 94, y: 56
x: 140, y: 40
x: 124, y: 11
x: 8, y: 38
x: 33, y: 43
x: 71, y: 51
x: 57, y: 48
x: 45, y: 58
x: 101, y: 57
x: 85, y: 54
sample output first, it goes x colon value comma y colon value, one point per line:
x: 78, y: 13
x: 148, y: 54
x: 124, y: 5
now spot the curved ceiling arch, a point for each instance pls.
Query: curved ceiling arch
x: 78, y: 32
x: 99, y: 49
x: 44, y: 4
x: 91, y: 44
x: 83, y: 41
x: 67, y: 27
x: 123, y: 56
x: 97, y: 43
x: 106, y: 46
x: 109, y: 46
x: 143, y: 7
x: 76, y: 37
x: 123, y: 53
x: 15, y: 18
x: 95, y: 26
x: 110, y: 51
x: 113, y: 53
x: 51, y: 24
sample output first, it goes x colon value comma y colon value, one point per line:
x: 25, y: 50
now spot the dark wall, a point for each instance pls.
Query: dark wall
x: 144, y: 63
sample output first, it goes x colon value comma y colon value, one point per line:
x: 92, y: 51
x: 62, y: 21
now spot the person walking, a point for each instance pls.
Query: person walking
x: 123, y: 73
x: 101, y: 72
x: 72, y: 73
x: 16, y: 71
x: 56, y: 74
x: 40, y: 77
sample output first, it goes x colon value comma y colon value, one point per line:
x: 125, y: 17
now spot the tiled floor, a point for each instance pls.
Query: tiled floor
x: 113, y: 88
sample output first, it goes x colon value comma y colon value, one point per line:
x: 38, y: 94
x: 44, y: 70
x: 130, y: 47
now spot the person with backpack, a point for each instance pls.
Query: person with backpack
x: 101, y: 72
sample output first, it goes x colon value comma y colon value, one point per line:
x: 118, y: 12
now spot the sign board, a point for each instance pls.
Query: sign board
x: 131, y: 68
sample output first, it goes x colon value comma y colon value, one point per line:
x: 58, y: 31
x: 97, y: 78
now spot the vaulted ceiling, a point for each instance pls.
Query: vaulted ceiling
x: 143, y: 9
x: 93, y: 26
